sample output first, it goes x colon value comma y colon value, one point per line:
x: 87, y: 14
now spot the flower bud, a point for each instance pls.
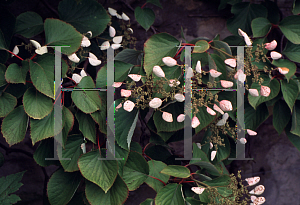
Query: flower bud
x: 179, y: 97
x: 216, y: 108
x: 112, y: 12
x: 112, y: 31
x: 275, y: 55
x: 265, y: 91
x: 213, y: 155
x: 253, y: 92
x: 180, y: 118
x: 174, y: 81
x: 243, y: 140
x: 167, y: 117
x: 117, y: 39
x: 225, y: 105
x: 214, y: 73
x: 158, y: 71
x: 198, y: 67
x: 135, y: 77
x: 258, y: 190
x: 73, y: 57
x: 85, y: 42
x: 250, y: 132
x: 231, y: 62
x: 246, y: 37
x: 125, y: 17
x: 226, y: 84
x: 195, y: 122
x: 155, y: 103
x: 117, y: 84
x: 93, y: 60
x: 169, y: 61
x: 15, y: 51
x: 128, y: 105
x: 125, y: 93
x: 252, y: 180
x: 198, y: 190
x: 105, y: 45
x: 271, y: 46
x: 210, y: 111
x: 283, y: 70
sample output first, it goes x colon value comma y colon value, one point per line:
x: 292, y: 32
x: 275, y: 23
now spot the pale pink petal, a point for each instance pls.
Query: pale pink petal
x: 211, y: 145
x: 231, y: 62
x: 198, y: 145
x: 128, y: 105
x: 198, y: 67
x: 253, y: 92
x: 119, y: 106
x: 195, y: 122
x: 155, y: 103
x: 265, y: 91
x: 213, y: 155
x: 225, y: 105
x: 216, y: 108
x: 112, y: 31
x: 275, y: 55
x: 250, y: 132
x: 271, y: 46
x: 243, y: 140
x: 174, y: 81
x: 135, y: 77
x: 167, y: 117
x: 117, y: 84
x: 198, y: 190
x: 210, y: 111
x: 125, y: 93
x: 85, y: 42
x: 226, y: 84
x: 158, y: 71
x: 180, y: 118
x: 214, y: 73
x: 169, y: 61
x: 258, y: 190
x: 179, y: 97
x: 283, y: 70
x: 252, y: 180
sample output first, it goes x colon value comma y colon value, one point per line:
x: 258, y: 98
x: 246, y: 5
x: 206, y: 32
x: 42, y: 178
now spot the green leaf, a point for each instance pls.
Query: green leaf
x: 2, y: 74
x: 260, y: 27
x: 85, y: 16
x: 147, y: 202
x: 290, y: 28
x: 202, y: 46
x: 101, y: 172
x: 45, y: 150
x: 293, y: 138
x: 223, y: 46
x: 145, y: 17
x: 176, y: 171
x: 3, y: 45
x: 290, y: 92
x: 155, y: 2
x: 59, y: 33
x: 62, y: 186
x: 86, y: 125
x: 36, y: 105
x: 14, y: 126
x: 86, y: 101
x: 135, y: 171
x: 29, y: 24
x: 244, y: 13
x: 253, y: 118
x: 288, y: 64
x: 155, y: 168
x: 7, y: 27
x: 44, y: 128
x: 295, y: 119
x: 117, y: 195
x: 273, y: 11
x: 156, y: 47
x: 42, y: 73
x: 1, y: 159
x: 9, y: 185
x: 68, y: 125
x: 100, y: 118
x: 280, y: 116
x: 296, y: 7
x: 272, y: 84
x: 170, y: 195
x: 129, y: 56
x: 123, y: 154
x: 204, y: 118
x: 16, y: 74
x: 292, y: 51
x: 125, y: 123
x: 73, y: 151
x: 7, y: 103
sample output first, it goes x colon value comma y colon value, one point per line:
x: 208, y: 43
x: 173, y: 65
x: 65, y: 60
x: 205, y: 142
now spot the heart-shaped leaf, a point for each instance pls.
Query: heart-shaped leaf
x: 7, y: 103
x: 280, y: 116
x: 170, y: 195
x: 29, y: 24
x: 290, y: 29
x: 145, y: 17
x: 260, y: 27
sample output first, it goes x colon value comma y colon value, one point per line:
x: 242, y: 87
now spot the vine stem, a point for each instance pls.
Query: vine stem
x: 221, y: 51
x: 157, y: 179
x: 15, y: 55
x: 143, y: 5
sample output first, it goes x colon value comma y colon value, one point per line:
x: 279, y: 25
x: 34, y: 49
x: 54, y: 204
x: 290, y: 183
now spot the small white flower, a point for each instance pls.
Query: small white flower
x: 258, y: 190
x: 119, y: 16
x: 252, y: 180
x: 174, y: 81
x: 125, y: 17
x: 131, y: 30
x: 283, y: 70
x: 85, y: 42
x: 226, y: 84
x: 169, y: 61
x: 35, y: 44
x: 271, y: 46
x: 167, y: 117
x: 275, y: 55
x: 117, y: 39
x: 225, y: 105
x: 180, y: 118
x: 198, y: 67
x: 210, y: 111
x: 128, y: 105
x: 117, y: 84
x: 77, y: 78
x: 198, y: 190
x: 254, y: 92
x: 158, y: 71
x: 155, y: 103
x: 198, y: 145
x: 115, y: 46
x: 93, y: 60
x: 82, y: 146
x: 41, y: 50
x: 112, y: 12
x: 125, y: 93
x: 246, y: 37
x: 195, y: 122
x: 216, y: 108
x: 265, y: 91
x: 105, y: 45
x: 119, y: 106
x: 112, y: 31
x: 214, y: 73
x: 15, y: 51
x: 250, y: 132
x: 243, y: 140
x: 211, y: 145
x: 135, y: 77
x: 179, y: 97
x: 73, y: 57
x: 189, y: 72
x: 231, y: 62
x: 213, y: 155
x: 83, y: 73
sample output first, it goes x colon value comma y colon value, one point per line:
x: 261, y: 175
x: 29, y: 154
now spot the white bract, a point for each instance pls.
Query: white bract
x: 15, y: 51
x: 246, y: 37
x: 41, y: 50
x: 198, y: 190
x: 226, y: 84
x: 77, y: 78
x: 128, y: 105
x: 125, y: 17
x: 117, y: 39
x: 275, y: 55
x: 213, y: 155
x: 169, y: 61
x: 73, y: 57
x: 105, y: 45
x: 93, y: 60
x: 85, y: 42
x: 198, y: 67
x: 167, y: 117
x: 195, y: 122
x: 231, y: 62
x: 225, y: 105
x: 112, y: 31
x: 125, y: 93
x: 135, y: 77
x: 112, y: 12
x: 271, y: 46
x: 214, y: 73
x: 253, y: 92
x: 115, y: 46
x: 35, y: 44
x: 158, y: 71
x: 83, y: 73
x: 180, y: 118
x: 179, y: 97
x: 155, y: 103
x: 251, y: 132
